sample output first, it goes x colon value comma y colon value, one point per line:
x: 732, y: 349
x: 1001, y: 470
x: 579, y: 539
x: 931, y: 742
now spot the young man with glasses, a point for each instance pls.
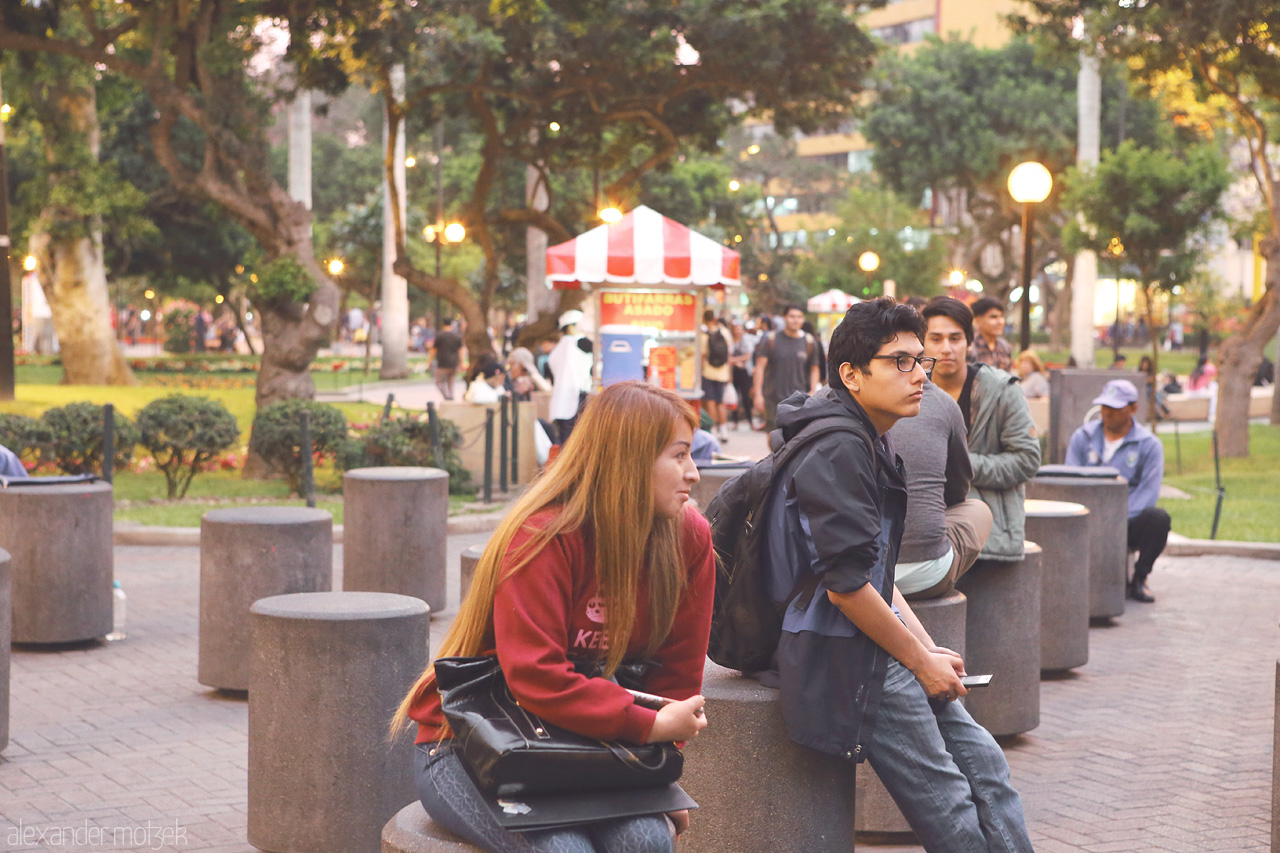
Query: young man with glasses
x: 859, y: 675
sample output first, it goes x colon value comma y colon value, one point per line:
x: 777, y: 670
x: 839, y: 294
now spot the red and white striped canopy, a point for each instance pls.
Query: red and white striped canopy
x: 644, y: 247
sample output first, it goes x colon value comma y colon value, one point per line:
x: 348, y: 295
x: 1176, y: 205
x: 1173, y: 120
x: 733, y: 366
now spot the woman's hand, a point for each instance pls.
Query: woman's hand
x: 679, y: 721
x: 680, y: 819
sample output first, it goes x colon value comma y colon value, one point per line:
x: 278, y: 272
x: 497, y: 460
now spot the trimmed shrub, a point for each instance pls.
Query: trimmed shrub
x: 24, y: 436
x: 179, y: 328
x: 408, y: 442
x: 183, y: 433
x: 75, y: 438
x: 277, y: 435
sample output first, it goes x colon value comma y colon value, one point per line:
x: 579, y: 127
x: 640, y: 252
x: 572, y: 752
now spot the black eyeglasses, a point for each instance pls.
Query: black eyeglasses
x: 907, y: 363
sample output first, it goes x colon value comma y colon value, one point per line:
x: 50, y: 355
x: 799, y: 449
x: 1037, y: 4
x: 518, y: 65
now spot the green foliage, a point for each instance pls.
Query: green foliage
x: 407, y: 441
x: 277, y: 435
x: 23, y: 435
x: 283, y: 280
x: 183, y: 433
x: 75, y: 438
x: 875, y: 219
x: 179, y: 326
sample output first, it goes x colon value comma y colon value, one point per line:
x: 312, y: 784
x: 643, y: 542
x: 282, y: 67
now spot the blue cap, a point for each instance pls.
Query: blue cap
x: 1117, y: 394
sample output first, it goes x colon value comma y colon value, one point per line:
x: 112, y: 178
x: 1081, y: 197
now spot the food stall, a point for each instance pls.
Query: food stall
x: 648, y: 278
x: 830, y: 308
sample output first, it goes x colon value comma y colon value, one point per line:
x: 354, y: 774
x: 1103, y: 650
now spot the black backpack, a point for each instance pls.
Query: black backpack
x: 717, y: 349
x: 746, y: 623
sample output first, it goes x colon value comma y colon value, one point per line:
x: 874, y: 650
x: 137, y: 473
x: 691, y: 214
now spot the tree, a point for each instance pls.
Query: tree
x: 876, y: 219
x: 65, y: 199
x: 1227, y: 51
x: 1152, y: 207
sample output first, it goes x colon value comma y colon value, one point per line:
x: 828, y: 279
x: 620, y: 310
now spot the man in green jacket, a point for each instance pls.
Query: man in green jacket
x: 1003, y: 447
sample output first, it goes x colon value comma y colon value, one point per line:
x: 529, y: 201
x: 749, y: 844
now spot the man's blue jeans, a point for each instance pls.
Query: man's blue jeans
x: 946, y: 773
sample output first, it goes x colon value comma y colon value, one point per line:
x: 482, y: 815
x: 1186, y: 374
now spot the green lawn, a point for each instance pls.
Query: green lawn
x: 1251, y: 509
x: 1181, y: 363
x: 188, y: 514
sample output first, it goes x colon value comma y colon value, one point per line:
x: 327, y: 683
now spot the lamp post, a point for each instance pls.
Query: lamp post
x: 1115, y: 248
x: 1029, y: 183
x: 868, y: 262
x: 439, y: 233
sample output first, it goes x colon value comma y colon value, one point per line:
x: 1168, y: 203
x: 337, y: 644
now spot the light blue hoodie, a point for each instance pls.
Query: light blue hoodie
x: 1139, y: 459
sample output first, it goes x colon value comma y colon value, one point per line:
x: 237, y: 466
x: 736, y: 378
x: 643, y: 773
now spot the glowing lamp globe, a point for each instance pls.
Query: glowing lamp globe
x: 1030, y: 183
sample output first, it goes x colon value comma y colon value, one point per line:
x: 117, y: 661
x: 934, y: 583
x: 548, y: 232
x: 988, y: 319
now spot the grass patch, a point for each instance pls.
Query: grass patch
x: 1181, y: 363
x: 1249, y: 510
x: 188, y: 513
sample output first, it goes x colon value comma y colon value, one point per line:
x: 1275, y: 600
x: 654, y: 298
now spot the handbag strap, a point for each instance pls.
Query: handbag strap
x: 629, y: 758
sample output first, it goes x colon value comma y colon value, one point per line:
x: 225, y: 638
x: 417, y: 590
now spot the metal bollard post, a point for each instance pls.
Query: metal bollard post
x: 1222, y: 493
x: 308, y: 473
x: 386, y: 410
x: 515, y: 442
x: 433, y: 429
x: 502, y: 448
x: 488, y: 455
x: 108, y: 441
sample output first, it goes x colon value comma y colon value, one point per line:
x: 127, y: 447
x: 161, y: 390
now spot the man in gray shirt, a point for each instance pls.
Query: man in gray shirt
x: 944, y: 532
x: 786, y: 362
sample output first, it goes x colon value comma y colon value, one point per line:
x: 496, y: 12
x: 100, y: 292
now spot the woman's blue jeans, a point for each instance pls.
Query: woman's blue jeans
x: 946, y: 773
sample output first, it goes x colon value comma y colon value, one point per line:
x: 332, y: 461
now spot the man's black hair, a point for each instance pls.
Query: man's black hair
x: 954, y: 309
x: 985, y: 304
x: 866, y: 327
x: 708, y: 315
x: 789, y: 307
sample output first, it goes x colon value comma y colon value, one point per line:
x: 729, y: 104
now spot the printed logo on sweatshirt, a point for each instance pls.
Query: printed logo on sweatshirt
x: 595, y: 609
x: 591, y: 640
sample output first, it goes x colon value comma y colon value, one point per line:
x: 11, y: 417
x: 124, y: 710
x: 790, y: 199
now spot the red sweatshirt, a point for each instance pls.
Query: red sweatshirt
x: 550, y: 611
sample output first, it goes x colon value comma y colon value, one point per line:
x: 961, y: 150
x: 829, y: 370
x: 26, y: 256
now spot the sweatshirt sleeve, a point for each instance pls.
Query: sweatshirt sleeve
x: 1078, y: 448
x: 1019, y: 457
x: 959, y: 469
x: 1145, y: 490
x: 531, y: 633
x: 681, y: 658
x: 835, y: 486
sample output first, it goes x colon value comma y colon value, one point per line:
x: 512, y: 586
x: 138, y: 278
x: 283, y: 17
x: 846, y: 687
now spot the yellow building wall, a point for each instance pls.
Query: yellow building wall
x: 978, y: 21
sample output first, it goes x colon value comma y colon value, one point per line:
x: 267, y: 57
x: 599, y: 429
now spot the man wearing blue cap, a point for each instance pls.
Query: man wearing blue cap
x: 1119, y: 441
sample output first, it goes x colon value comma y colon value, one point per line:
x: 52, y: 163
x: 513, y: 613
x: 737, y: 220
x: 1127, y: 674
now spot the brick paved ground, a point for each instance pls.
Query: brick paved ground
x: 1162, y: 742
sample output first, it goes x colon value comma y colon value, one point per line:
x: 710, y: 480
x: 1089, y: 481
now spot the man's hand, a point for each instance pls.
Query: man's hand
x: 939, y: 674
x: 757, y: 403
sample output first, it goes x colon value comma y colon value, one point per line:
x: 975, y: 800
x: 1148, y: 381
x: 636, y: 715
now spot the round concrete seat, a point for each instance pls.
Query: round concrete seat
x: 394, y: 531
x: 413, y: 831
x: 1061, y: 529
x: 246, y: 554
x: 470, y: 559
x: 878, y: 817
x: 328, y: 670
x: 5, y: 589
x: 753, y: 785
x: 711, y: 478
x: 1107, y: 499
x: 1002, y: 638
x: 59, y: 537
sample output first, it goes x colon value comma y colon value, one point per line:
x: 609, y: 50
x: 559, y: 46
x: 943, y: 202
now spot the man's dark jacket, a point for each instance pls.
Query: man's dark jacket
x: 837, y: 511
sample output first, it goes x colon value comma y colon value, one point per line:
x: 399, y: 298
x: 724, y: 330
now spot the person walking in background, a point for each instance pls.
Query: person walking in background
x: 570, y: 363
x: 1003, y: 447
x: 740, y: 359
x: 717, y: 348
x: 448, y: 359
x: 989, y: 344
x: 786, y: 362
x: 602, y: 562
x: 1031, y: 372
x: 808, y: 329
x: 1118, y: 441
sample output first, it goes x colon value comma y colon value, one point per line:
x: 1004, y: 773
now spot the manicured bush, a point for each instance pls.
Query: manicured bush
x: 407, y: 441
x: 75, y: 438
x: 24, y: 436
x: 277, y: 435
x: 179, y: 327
x: 183, y: 433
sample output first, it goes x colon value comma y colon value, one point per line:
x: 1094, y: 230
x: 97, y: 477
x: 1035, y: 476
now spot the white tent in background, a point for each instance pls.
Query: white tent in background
x: 834, y: 301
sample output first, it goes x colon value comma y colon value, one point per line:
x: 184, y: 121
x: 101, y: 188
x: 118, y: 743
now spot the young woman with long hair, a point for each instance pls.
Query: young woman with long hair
x: 601, y: 560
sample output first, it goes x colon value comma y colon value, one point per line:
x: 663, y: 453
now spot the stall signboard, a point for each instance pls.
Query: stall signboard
x: 665, y: 311
x: 662, y: 367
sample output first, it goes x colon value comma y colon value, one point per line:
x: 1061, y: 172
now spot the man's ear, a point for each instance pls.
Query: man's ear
x: 850, y: 377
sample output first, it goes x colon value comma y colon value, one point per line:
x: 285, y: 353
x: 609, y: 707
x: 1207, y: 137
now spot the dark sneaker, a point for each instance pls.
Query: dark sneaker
x: 1138, y: 592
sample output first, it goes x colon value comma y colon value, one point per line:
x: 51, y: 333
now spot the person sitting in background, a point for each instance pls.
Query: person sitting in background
x: 1204, y: 375
x: 10, y: 465
x: 1031, y: 370
x: 487, y: 385
x: 1121, y: 362
x: 523, y: 377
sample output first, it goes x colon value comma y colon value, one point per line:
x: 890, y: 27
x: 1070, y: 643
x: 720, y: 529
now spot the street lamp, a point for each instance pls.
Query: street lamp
x: 336, y: 266
x: 868, y: 262
x: 454, y: 232
x: 1115, y: 248
x: 956, y: 278
x: 611, y: 215
x: 1029, y: 183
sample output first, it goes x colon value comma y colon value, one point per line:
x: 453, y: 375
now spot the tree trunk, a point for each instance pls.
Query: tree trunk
x: 1241, y: 354
x: 74, y: 269
x: 1060, y: 315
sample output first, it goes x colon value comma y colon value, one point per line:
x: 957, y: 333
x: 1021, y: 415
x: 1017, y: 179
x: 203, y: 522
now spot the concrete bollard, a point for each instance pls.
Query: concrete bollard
x: 753, y: 785
x: 413, y: 831
x: 712, y: 477
x: 878, y: 817
x: 1061, y: 530
x: 1107, y: 499
x: 1275, y: 769
x: 247, y: 554
x: 5, y: 588
x: 395, y: 527
x: 328, y: 671
x: 1002, y: 638
x: 470, y: 559
x: 59, y: 537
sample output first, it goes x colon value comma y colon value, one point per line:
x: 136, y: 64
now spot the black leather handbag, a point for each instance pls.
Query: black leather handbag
x: 509, y: 751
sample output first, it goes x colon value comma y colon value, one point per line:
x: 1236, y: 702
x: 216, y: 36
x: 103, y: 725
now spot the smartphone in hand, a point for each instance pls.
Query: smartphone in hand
x: 972, y: 681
